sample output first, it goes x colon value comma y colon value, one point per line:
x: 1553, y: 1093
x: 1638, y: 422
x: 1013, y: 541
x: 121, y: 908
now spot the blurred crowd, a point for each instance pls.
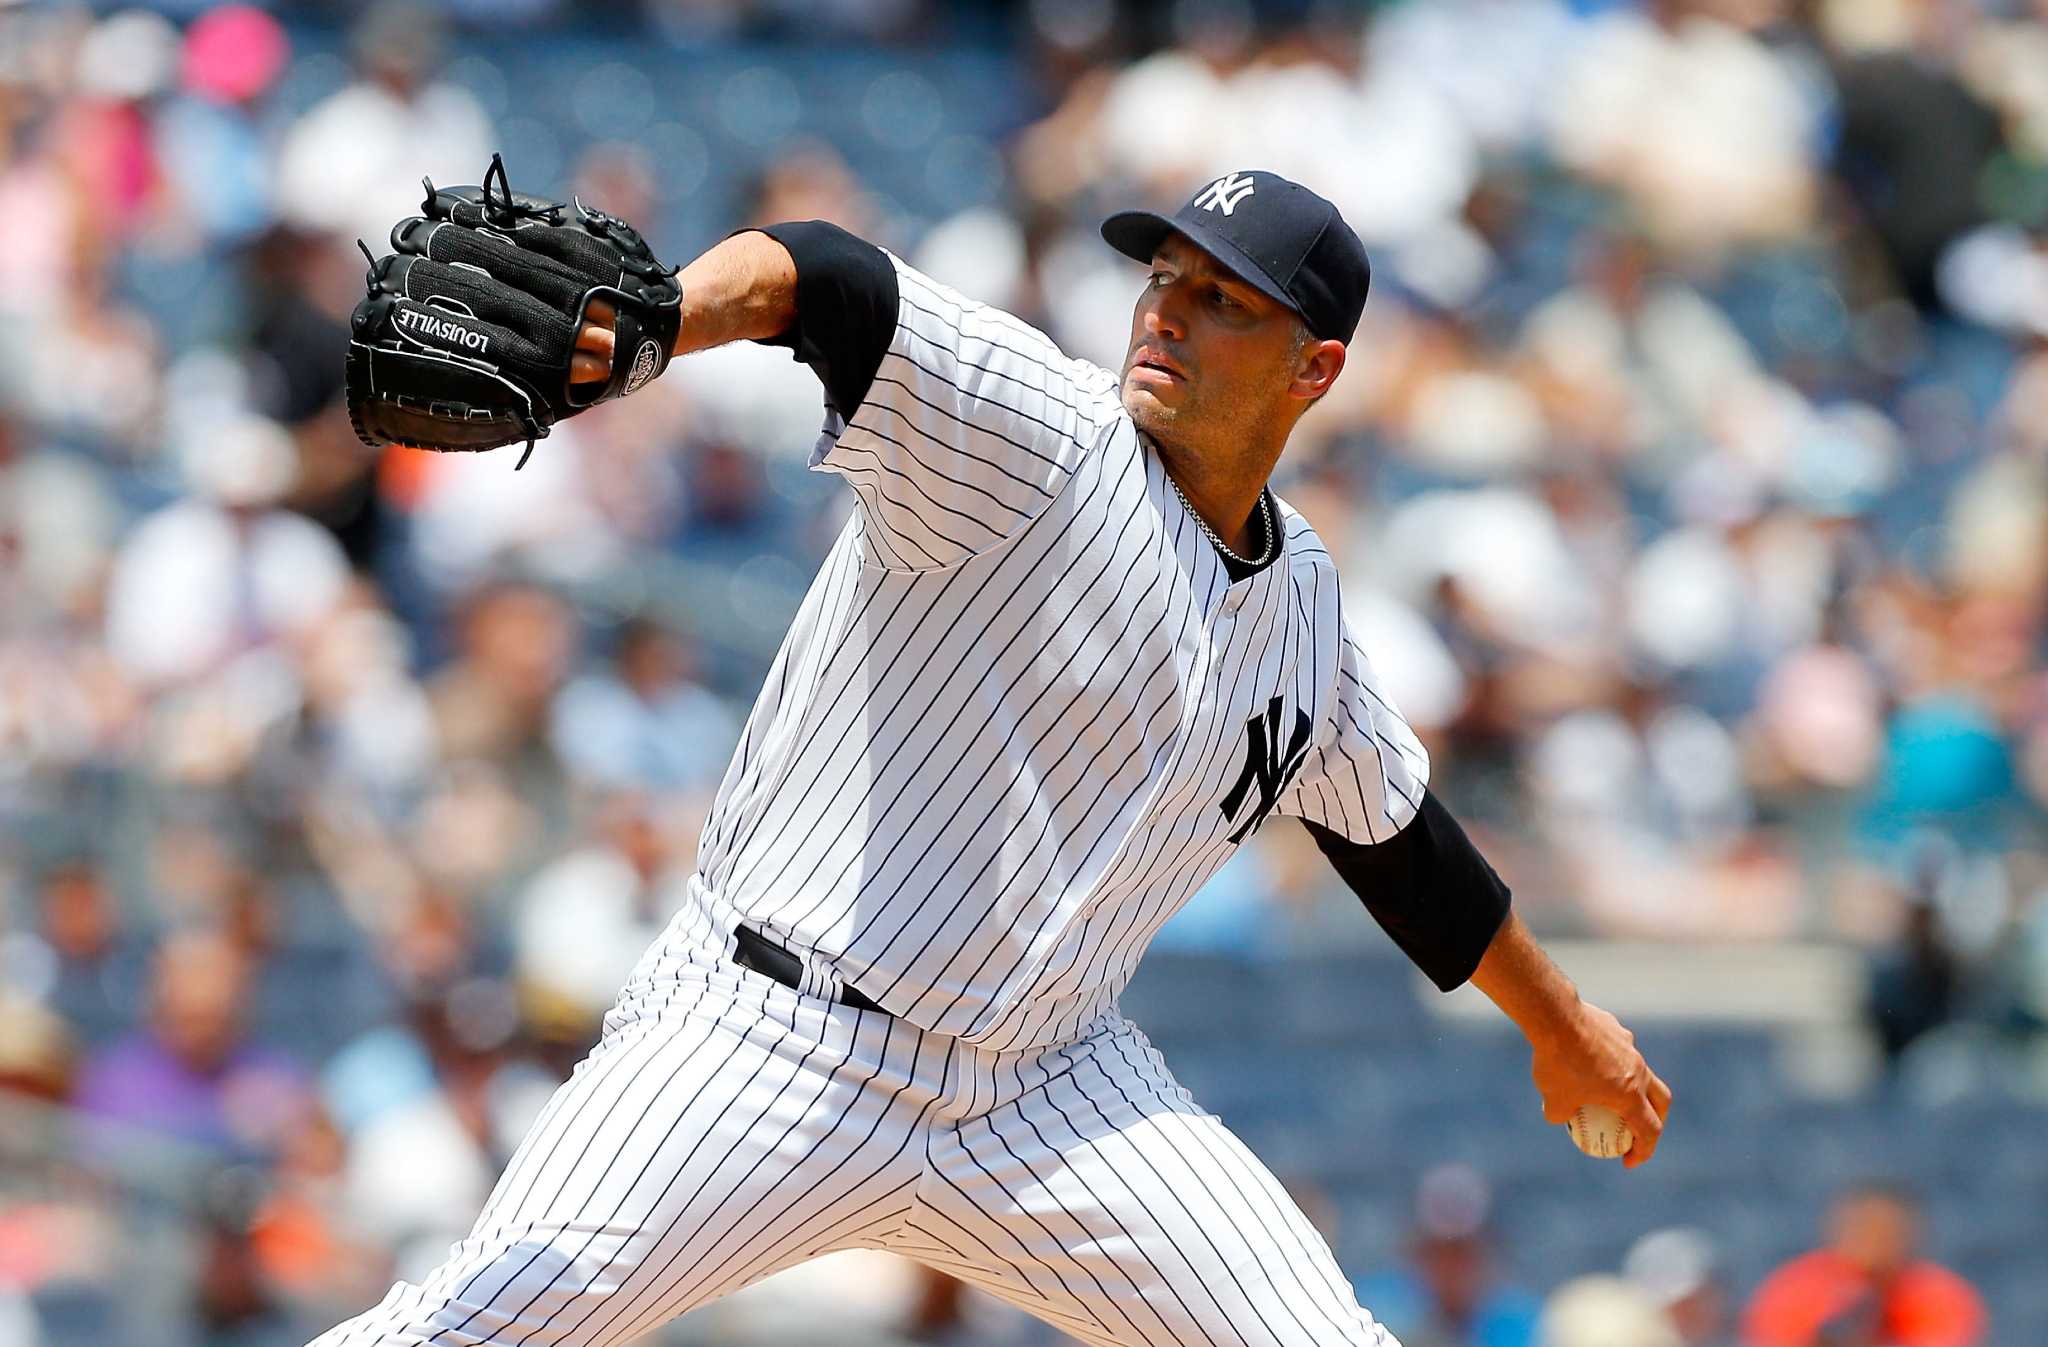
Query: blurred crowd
x: 1865, y: 1285
x: 1689, y: 476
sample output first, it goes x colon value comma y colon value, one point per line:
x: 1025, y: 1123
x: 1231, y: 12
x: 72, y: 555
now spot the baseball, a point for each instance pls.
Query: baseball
x: 1600, y: 1132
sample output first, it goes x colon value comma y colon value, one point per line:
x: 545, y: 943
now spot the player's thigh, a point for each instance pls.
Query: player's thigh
x: 1106, y: 1201
x: 685, y: 1159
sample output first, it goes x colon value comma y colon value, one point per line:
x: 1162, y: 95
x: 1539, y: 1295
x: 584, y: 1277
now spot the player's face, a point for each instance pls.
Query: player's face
x: 1210, y: 356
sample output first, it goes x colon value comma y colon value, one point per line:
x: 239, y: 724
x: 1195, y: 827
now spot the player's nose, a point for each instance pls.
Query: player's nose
x: 1162, y: 321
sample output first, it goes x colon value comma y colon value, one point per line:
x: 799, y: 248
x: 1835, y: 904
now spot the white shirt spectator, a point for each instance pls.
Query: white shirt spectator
x: 475, y: 513
x: 352, y: 165
x: 584, y: 922
x: 1495, y: 61
x: 1707, y: 130
x: 413, y: 1175
x: 1503, y: 545
x: 196, y: 584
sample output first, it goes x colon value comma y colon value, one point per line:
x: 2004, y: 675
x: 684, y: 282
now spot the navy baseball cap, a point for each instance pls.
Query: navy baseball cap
x: 1271, y: 233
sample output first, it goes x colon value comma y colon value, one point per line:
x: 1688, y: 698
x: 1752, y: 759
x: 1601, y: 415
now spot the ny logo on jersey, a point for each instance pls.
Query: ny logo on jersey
x: 1265, y: 765
x: 1224, y: 193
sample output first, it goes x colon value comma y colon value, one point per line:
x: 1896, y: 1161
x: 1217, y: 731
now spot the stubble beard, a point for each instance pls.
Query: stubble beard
x: 1174, y: 426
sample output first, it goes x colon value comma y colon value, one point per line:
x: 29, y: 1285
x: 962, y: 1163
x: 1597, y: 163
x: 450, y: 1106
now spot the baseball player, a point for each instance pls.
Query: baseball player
x: 1067, y: 655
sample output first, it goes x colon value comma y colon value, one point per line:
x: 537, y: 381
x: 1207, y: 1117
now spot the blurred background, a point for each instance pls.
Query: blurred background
x: 1689, y: 477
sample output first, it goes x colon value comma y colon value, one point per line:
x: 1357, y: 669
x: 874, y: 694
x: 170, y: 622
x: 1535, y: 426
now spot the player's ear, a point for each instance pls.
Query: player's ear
x: 1316, y: 367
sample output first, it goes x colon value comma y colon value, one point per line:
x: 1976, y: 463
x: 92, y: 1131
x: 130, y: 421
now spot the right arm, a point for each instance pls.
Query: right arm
x: 744, y: 289
x: 1363, y: 794
x: 955, y: 424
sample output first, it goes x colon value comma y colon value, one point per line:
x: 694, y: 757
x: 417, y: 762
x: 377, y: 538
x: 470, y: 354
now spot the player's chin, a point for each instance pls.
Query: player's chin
x: 1149, y: 403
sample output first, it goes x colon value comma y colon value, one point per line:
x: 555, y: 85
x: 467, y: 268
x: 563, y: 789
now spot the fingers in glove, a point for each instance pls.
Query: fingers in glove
x: 598, y: 339
x: 595, y: 343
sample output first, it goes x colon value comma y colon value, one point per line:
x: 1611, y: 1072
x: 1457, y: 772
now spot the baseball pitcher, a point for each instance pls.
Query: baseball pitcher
x: 1067, y: 654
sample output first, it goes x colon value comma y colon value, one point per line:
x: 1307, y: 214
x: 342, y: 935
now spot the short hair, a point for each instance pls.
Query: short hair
x: 1303, y: 339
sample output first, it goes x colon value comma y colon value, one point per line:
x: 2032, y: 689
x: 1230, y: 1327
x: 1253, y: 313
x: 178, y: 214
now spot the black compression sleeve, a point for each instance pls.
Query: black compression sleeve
x: 845, y: 308
x: 1429, y: 889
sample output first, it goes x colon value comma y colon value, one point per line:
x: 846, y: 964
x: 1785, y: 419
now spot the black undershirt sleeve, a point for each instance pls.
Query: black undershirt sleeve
x: 845, y: 308
x: 1429, y: 889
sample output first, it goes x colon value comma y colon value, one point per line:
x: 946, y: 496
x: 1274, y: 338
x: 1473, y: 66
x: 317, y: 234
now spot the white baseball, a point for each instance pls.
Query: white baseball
x: 1600, y: 1132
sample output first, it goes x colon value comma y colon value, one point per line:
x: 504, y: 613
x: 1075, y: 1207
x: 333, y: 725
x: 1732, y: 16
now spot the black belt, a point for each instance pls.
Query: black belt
x: 770, y: 960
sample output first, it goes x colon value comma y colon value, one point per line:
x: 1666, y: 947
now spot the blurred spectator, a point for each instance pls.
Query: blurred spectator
x: 492, y: 700
x: 1451, y: 1294
x: 645, y: 723
x: 233, y: 1302
x: 301, y: 1235
x: 1680, y: 1269
x: 223, y: 573
x: 1914, y: 984
x: 1946, y: 767
x: 351, y: 165
x: 193, y: 1071
x: 430, y: 1109
x: 730, y: 514
x: 1686, y: 476
x: 1705, y: 129
x: 1867, y: 1287
x: 36, y: 1052
x: 99, y: 970
x: 1604, y: 1312
x: 365, y: 723
x: 585, y: 920
x: 1914, y: 142
x: 215, y: 155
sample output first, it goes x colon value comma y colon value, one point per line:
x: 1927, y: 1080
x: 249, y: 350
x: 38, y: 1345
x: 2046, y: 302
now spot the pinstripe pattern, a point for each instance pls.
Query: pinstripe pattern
x: 727, y: 1127
x: 988, y: 761
x: 991, y: 758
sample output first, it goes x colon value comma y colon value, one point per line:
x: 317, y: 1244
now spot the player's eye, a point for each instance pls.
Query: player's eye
x: 1224, y: 301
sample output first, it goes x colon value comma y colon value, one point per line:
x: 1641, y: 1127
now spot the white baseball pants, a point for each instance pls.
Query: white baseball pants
x: 727, y: 1127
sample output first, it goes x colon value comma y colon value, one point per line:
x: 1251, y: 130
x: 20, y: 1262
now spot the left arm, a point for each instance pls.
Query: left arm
x: 1362, y: 793
x: 1439, y: 900
x: 1582, y: 1054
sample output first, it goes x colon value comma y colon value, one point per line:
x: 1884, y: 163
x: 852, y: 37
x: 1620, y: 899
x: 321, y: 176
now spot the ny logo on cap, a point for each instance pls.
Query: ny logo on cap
x: 1224, y: 193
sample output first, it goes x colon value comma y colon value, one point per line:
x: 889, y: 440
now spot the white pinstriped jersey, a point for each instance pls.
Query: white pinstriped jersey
x: 1023, y: 712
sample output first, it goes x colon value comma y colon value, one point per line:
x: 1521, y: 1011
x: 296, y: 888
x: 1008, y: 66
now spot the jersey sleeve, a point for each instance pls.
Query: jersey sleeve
x: 1428, y: 888
x: 1365, y: 772
x: 955, y: 423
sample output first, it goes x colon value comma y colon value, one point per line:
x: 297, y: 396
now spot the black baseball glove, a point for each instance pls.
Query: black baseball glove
x: 466, y: 337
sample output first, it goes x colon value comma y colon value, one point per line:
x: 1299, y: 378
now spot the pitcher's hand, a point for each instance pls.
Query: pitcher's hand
x: 1592, y: 1059
x: 592, y: 362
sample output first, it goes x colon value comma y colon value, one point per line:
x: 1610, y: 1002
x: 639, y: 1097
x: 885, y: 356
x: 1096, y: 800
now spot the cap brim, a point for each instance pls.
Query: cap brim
x: 1138, y: 233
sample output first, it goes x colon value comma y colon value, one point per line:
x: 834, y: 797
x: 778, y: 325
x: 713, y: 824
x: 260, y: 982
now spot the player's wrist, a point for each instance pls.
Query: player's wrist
x: 1561, y: 1020
x: 741, y: 289
x: 1530, y: 989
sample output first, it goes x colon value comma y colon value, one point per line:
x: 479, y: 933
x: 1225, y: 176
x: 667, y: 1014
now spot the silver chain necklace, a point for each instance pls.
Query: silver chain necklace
x: 1265, y: 522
